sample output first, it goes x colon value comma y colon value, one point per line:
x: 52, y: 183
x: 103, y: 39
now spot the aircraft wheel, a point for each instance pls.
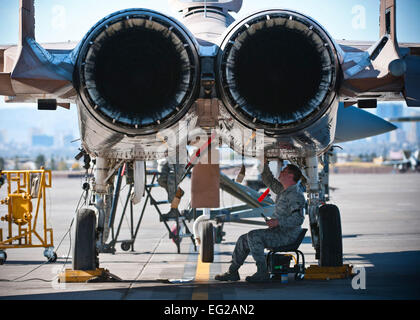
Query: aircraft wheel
x: 299, y: 276
x: 53, y: 258
x: 331, y: 243
x: 125, y: 246
x: 50, y: 254
x: 207, y: 242
x: 84, y: 241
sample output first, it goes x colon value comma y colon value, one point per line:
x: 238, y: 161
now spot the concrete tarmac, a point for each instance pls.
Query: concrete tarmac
x: 380, y: 216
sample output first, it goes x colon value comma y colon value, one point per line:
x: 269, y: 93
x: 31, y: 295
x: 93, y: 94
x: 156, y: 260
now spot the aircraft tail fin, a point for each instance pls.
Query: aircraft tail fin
x: 387, y: 20
x: 407, y: 154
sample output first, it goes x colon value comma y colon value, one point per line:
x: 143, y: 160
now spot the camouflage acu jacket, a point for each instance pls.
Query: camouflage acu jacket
x: 289, y: 204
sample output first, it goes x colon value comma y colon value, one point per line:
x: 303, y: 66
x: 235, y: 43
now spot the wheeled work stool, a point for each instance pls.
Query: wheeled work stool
x: 279, y: 264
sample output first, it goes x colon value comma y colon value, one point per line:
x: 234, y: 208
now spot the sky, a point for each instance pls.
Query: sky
x: 64, y: 20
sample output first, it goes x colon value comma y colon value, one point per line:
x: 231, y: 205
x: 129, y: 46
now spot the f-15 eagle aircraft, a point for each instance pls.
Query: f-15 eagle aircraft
x: 145, y: 83
x: 410, y: 157
x: 410, y: 161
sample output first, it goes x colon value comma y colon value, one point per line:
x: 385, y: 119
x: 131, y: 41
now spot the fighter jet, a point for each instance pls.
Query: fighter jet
x: 145, y: 83
x: 410, y: 161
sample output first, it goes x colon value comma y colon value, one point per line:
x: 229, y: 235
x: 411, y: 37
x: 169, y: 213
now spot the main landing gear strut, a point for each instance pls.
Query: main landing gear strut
x: 324, y: 219
x: 89, y: 234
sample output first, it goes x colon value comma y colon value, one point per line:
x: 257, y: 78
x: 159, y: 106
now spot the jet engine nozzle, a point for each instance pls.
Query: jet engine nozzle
x: 277, y: 71
x: 137, y: 71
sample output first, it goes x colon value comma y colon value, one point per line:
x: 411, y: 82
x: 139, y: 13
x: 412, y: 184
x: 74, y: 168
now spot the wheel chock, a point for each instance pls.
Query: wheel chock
x: 78, y: 276
x: 315, y: 272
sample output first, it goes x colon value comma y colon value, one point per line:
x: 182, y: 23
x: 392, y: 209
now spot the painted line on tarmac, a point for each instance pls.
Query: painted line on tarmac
x: 202, y: 276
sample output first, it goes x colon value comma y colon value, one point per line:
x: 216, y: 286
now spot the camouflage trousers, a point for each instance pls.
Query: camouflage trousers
x: 169, y: 178
x: 254, y: 242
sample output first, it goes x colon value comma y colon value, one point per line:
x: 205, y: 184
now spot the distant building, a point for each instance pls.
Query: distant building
x: 418, y: 132
x: 28, y: 165
x: 412, y: 133
x: 395, y: 155
x: 397, y: 136
x: 2, y: 137
x: 416, y: 128
x: 343, y: 157
x: 390, y: 110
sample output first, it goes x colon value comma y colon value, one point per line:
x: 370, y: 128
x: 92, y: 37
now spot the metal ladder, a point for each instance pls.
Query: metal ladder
x: 174, y: 233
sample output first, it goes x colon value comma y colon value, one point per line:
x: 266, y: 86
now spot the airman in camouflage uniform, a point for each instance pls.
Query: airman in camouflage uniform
x: 284, y: 225
x: 169, y: 177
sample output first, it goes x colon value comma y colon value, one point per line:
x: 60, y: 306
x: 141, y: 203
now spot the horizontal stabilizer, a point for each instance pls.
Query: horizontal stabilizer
x: 355, y: 124
x: 6, y: 88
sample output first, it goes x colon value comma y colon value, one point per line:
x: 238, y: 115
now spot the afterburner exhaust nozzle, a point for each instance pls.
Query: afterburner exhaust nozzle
x: 277, y: 71
x: 137, y: 71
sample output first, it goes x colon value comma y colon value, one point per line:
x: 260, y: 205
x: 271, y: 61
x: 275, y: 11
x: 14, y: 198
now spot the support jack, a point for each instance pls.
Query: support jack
x: 87, y: 276
x: 315, y: 272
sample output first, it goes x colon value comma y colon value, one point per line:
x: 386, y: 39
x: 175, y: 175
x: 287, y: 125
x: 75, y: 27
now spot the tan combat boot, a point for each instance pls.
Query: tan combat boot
x: 231, y: 275
x: 261, y: 275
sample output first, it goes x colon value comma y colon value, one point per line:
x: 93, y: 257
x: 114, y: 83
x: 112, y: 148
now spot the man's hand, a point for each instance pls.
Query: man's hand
x: 272, y: 223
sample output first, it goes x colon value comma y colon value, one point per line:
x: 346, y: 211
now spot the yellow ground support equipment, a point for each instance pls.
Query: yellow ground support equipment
x: 315, y: 272
x: 23, y: 187
x: 98, y: 275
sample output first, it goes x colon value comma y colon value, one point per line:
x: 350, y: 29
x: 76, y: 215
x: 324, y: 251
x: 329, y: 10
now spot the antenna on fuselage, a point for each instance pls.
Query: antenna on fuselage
x: 205, y: 8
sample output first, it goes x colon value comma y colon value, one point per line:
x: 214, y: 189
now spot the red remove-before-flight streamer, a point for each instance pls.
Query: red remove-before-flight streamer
x: 203, y: 147
x: 262, y: 197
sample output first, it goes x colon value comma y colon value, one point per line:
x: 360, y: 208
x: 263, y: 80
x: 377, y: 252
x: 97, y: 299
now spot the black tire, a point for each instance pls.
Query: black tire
x: 3, y: 260
x: 84, y: 241
x: 53, y: 259
x: 125, y: 246
x: 331, y: 242
x: 299, y: 276
x: 207, y: 243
